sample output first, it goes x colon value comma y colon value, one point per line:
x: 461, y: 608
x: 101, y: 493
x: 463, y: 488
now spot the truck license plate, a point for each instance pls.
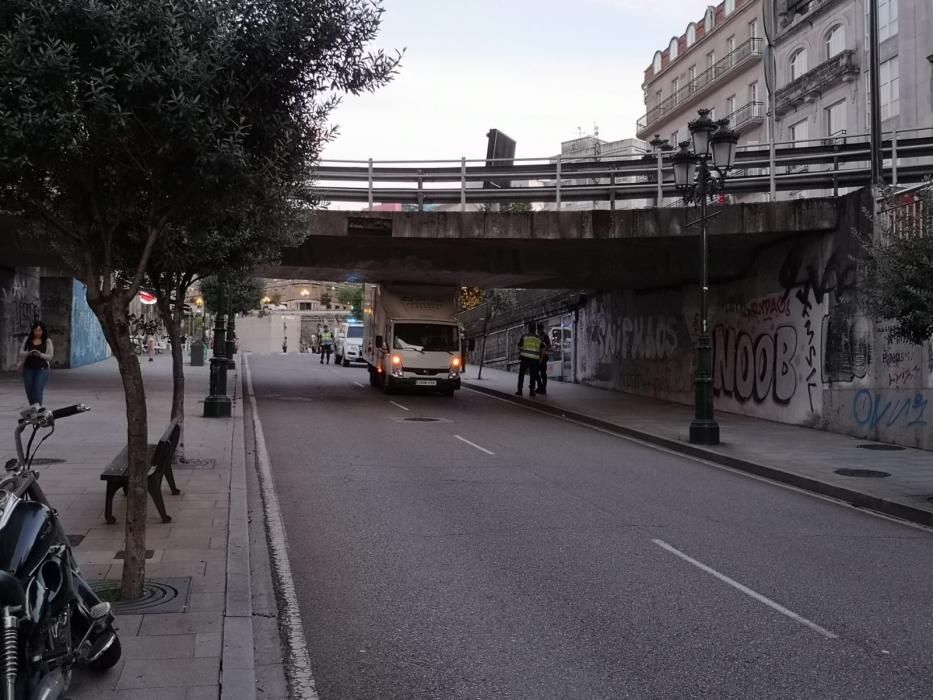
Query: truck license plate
x: 425, y: 382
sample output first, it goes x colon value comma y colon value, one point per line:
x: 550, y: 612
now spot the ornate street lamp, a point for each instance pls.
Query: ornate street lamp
x: 698, y: 174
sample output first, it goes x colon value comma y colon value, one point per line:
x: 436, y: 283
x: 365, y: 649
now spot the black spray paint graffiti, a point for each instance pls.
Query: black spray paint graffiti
x: 648, y: 338
x: 755, y: 369
x: 871, y: 409
x: 838, y: 277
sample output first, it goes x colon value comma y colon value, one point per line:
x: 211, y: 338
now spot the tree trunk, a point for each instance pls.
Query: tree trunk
x: 482, y: 353
x: 112, y: 313
x: 172, y: 316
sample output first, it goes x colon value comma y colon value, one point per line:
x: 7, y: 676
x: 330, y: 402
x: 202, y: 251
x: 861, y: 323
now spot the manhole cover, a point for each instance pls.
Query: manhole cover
x: 75, y: 540
x: 421, y: 420
x: 880, y: 447
x: 194, y: 464
x: 865, y: 473
x: 47, y: 460
x: 168, y: 595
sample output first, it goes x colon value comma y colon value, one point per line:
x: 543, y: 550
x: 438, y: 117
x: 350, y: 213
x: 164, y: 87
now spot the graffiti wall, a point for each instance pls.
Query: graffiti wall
x: 19, y: 306
x: 790, y: 344
x: 55, y: 301
x: 88, y: 343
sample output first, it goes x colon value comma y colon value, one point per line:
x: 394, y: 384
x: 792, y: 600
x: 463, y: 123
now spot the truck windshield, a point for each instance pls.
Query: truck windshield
x: 355, y: 332
x: 426, y: 337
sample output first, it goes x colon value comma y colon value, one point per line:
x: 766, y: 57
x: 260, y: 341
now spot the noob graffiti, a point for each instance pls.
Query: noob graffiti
x: 647, y: 338
x: 755, y: 368
x: 871, y: 409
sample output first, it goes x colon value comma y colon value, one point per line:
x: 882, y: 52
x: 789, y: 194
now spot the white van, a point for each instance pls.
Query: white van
x: 348, y: 345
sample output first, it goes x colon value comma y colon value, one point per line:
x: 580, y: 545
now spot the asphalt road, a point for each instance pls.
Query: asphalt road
x: 495, y: 552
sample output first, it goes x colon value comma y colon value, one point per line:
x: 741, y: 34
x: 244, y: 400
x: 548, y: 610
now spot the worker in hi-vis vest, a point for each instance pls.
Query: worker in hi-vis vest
x: 529, y: 352
x: 327, y: 344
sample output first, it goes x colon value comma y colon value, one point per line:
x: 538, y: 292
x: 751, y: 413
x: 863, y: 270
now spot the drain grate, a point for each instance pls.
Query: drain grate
x: 122, y: 554
x: 880, y: 447
x: 864, y: 473
x: 195, y: 464
x: 169, y: 595
x: 75, y: 540
x: 46, y: 460
x: 418, y: 419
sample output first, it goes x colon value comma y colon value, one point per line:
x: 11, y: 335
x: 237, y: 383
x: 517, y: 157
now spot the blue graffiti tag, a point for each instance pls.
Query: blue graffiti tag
x: 870, y: 409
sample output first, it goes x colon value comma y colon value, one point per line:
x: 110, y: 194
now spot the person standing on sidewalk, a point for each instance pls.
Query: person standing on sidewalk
x: 151, y: 347
x: 35, y: 360
x: 545, y: 352
x: 285, y: 345
x: 327, y: 344
x: 529, y: 349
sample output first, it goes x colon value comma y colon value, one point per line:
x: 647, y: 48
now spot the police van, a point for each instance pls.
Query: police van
x: 348, y: 344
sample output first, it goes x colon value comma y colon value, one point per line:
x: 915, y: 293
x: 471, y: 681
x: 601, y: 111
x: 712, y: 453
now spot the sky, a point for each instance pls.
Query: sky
x: 541, y: 71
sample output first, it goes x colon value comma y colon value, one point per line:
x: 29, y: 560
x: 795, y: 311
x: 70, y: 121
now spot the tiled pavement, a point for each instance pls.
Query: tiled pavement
x: 797, y: 455
x: 165, y: 655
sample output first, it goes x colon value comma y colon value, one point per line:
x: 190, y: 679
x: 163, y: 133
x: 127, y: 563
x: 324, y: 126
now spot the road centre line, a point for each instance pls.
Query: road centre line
x: 360, y: 385
x: 748, y: 591
x: 715, y: 465
x: 399, y: 406
x: 473, y: 444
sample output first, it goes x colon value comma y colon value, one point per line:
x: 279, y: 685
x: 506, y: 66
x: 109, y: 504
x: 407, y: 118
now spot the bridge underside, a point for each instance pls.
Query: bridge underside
x: 632, y: 249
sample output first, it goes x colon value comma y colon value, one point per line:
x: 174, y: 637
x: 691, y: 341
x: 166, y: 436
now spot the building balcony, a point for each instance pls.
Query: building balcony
x: 728, y: 65
x: 808, y: 88
x: 747, y: 117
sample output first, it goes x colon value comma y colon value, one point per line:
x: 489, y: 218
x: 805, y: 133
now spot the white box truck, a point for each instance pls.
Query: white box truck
x: 411, y: 337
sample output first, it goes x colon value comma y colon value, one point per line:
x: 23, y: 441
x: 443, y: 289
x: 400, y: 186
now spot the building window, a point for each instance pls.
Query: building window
x: 730, y: 7
x: 835, y: 41
x: 798, y: 64
x: 691, y: 74
x: 710, y: 59
x: 799, y: 132
x: 890, y: 94
x: 658, y: 98
x: 305, y: 306
x: 691, y: 34
x: 675, y: 137
x: 730, y: 106
x: 753, y: 29
x: 753, y: 92
x: 709, y: 19
x: 672, y: 49
x: 887, y: 18
x: 675, y: 87
x: 657, y: 62
x: 836, y: 119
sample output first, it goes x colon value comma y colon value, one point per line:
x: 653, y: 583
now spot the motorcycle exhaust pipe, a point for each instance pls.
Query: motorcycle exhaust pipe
x: 51, y: 687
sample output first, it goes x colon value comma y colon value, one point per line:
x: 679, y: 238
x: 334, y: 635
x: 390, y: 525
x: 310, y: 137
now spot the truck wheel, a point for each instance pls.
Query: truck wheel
x: 449, y: 393
x: 373, y: 377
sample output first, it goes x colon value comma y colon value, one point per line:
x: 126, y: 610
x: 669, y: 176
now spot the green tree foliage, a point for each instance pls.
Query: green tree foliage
x: 351, y: 295
x: 134, y: 131
x: 246, y: 293
x: 326, y: 300
x: 897, y: 265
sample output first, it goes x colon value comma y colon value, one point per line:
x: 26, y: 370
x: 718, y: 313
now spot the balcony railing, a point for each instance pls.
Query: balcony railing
x: 809, y: 86
x: 746, y: 51
x: 746, y: 116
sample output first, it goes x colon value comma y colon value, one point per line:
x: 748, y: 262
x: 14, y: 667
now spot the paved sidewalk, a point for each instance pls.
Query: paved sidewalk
x: 166, y: 655
x: 791, y: 454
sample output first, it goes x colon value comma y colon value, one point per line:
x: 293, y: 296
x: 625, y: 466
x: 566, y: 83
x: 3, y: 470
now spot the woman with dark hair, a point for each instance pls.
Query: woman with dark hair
x: 36, y: 359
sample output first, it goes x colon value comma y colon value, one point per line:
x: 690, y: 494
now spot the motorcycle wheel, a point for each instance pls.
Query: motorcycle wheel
x: 108, y: 659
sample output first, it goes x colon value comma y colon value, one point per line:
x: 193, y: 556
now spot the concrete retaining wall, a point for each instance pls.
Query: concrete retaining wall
x: 19, y: 306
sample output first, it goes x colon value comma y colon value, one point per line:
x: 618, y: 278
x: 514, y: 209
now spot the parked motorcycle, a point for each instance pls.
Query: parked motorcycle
x: 50, y: 618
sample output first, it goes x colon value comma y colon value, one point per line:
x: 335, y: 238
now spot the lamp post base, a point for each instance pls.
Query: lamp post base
x: 704, y: 432
x: 218, y: 407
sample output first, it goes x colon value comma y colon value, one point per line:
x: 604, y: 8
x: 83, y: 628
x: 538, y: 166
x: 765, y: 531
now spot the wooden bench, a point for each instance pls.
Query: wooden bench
x: 159, y: 458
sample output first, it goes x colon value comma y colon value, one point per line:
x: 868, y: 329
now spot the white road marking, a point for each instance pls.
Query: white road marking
x: 298, y: 664
x: 361, y: 386
x: 399, y: 406
x: 473, y: 444
x: 748, y: 591
x: 708, y: 463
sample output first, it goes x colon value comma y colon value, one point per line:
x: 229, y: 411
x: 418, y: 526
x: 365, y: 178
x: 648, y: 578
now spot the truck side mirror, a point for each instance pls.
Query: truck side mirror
x: 471, y: 344
x: 379, y: 342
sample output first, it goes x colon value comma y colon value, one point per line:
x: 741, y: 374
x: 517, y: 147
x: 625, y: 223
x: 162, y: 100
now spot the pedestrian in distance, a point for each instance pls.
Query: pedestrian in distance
x: 529, y: 353
x: 545, y: 352
x: 327, y: 344
x: 151, y: 347
x: 285, y: 345
x: 35, y: 360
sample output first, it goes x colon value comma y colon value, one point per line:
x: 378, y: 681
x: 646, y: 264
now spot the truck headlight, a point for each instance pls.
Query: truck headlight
x: 397, y: 370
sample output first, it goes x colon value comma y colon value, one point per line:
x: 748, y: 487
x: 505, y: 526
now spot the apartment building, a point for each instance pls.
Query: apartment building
x: 822, y: 68
x: 715, y: 64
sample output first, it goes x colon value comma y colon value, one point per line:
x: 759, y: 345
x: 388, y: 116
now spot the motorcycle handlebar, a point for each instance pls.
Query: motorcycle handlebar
x: 70, y: 411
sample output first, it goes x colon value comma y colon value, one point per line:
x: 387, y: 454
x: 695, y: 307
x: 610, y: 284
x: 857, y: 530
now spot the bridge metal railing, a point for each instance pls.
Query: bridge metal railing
x: 813, y: 165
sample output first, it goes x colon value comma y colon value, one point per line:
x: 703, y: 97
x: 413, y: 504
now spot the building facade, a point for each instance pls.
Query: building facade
x: 715, y: 64
x: 822, y: 68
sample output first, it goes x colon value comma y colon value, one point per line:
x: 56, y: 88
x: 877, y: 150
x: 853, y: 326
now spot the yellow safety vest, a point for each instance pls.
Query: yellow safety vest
x: 327, y: 337
x: 531, y: 347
